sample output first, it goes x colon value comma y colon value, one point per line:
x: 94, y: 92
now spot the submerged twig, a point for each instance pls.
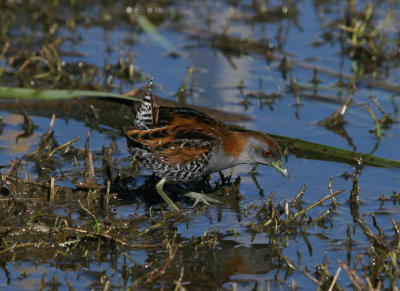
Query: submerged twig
x: 297, y: 200
x: 53, y: 118
x: 97, y: 226
x: 51, y: 190
x: 28, y: 123
x: 337, y: 118
x: 326, y: 212
x: 335, y: 278
x: 181, y: 94
x: 89, y: 168
x: 44, y: 140
x: 60, y: 147
x: 317, y: 203
x: 331, y: 191
x: 109, y: 237
x: 378, y: 128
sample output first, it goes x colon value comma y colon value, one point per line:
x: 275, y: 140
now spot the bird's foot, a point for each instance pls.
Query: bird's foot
x: 194, y: 195
x: 201, y: 198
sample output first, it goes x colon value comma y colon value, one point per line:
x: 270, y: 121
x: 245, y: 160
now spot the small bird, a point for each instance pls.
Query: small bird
x: 182, y: 144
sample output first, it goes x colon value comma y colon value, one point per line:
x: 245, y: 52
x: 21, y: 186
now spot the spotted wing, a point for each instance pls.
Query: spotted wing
x: 172, y: 149
x: 182, y: 136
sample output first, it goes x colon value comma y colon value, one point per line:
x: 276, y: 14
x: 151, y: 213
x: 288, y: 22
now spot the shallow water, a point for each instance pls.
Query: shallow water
x: 239, y: 257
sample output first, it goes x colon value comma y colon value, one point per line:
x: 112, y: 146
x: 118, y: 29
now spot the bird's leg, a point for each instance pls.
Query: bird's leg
x: 164, y: 196
x: 194, y: 195
x: 200, y: 198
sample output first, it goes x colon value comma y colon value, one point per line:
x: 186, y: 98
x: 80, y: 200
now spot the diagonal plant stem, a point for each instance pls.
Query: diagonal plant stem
x: 301, y: 212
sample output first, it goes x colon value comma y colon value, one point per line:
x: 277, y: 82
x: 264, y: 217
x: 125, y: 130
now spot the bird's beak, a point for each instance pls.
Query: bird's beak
x: 281, y: 168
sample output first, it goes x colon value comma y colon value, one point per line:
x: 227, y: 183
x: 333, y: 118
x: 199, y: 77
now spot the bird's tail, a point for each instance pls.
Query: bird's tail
x: 144, y: 116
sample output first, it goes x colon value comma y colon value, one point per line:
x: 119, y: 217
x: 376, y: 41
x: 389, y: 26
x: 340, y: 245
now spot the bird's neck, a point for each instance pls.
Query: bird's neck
x: 230, y: 153
x: 234, y: 145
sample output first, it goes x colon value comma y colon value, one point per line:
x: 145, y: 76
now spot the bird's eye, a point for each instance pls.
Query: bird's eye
x: 267, y: 153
